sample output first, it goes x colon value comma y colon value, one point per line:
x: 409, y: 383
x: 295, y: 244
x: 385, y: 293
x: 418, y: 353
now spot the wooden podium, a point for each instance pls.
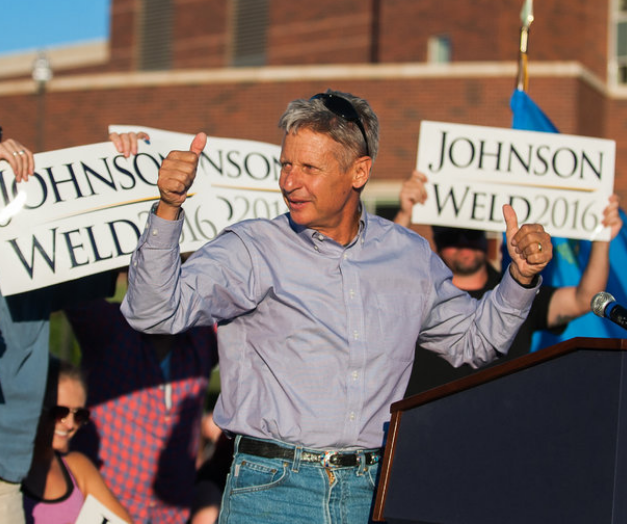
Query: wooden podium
x: 539, y: 439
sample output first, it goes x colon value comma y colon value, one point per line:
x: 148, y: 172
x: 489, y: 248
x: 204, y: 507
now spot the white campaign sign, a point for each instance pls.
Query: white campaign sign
x: 85, y: 207
x: 94, y: 512
x: 560, y: 181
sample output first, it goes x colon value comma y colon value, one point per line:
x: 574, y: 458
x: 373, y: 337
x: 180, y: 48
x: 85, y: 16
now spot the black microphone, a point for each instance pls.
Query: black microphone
x: 604, y: 305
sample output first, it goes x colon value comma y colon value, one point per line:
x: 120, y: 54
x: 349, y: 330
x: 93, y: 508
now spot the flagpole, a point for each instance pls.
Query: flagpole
x: 526, y: 17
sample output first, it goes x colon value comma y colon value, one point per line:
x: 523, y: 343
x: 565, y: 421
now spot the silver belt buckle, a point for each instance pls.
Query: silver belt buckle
x: 325, y: 460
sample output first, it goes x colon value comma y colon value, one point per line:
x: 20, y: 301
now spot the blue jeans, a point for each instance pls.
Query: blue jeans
x: 274, y: 491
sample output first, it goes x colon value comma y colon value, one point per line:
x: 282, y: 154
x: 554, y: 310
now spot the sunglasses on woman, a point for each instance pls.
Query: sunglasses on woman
x: 58, y: 413
x: 342, y: 107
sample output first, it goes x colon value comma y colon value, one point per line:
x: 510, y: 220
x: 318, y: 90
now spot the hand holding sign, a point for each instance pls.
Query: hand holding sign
x: 557, y: 180
x: 611, y: 216
x: 176, y: 176
x: 126, y: 143
x: 529, y: 247
x: 19, y: 158
x: 84, y: 208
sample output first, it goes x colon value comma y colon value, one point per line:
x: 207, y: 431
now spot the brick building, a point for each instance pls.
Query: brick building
x: 229, y: 67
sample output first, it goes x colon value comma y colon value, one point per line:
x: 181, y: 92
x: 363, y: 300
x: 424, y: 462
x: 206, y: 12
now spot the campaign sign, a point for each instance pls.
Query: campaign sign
x: 84, y: 209
x: 560, y: 181
x: 94, y: 512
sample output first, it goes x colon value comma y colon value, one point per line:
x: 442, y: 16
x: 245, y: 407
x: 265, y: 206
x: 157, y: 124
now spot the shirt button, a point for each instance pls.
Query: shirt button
x: 352, y: 293
x: 356, y: 335
x: 355, y: 375
x: 155, y: 232
x: 345, y: 256
x: 352, y: 416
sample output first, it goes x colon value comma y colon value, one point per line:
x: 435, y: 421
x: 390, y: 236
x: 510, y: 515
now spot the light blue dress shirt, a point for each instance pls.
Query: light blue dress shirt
x: 316, y: 339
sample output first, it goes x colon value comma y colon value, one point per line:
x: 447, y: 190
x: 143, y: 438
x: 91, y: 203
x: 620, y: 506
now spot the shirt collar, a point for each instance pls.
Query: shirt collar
x: 323, y: 244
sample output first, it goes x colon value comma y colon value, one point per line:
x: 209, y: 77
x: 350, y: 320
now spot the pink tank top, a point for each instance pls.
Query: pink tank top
x: 58, y: 511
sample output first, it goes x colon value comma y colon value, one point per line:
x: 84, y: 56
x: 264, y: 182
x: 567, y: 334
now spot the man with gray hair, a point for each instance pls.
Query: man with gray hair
x: 318, y: 313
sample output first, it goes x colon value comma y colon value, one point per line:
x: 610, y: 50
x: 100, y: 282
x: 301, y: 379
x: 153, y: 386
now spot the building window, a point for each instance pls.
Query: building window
x: 618, y: 43
x: 439, y: 50
x: 621, y: 50
x: 155, y: 35
x: 250, y: 29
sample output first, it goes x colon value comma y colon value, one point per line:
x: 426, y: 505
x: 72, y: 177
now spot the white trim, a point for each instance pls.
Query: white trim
x: 611, y: 44
x: 124, y: 80
x: 93, y: 53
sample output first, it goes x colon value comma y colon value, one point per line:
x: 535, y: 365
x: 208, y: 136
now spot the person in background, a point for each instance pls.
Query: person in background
x: 24, y: 342
x: 58, y: 482
x: 318, y: 313
x: 146, y: 394
x: 24, y: 333
x: 464, y: 251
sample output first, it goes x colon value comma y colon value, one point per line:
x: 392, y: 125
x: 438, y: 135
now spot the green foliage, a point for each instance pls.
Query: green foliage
x: 62, y: 341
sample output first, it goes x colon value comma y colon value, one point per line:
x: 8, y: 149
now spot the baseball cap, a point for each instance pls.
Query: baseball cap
x: 458, y: 237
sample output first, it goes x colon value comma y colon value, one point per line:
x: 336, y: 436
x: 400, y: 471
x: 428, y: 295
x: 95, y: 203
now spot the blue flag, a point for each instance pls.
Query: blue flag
x: 527, y: 115
x: 570, y: 257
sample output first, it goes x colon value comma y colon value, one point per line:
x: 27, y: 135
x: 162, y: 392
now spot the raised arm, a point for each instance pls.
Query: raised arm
x: 570, y: 302
x: 153, y: 297
x: 412, y: 192
x: 529, y: 245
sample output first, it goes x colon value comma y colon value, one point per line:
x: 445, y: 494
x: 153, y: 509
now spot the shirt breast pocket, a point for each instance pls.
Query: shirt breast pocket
x: 396, y: 317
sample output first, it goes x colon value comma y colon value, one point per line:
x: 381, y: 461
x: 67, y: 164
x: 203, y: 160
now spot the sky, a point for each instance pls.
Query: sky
x: 41, y: 24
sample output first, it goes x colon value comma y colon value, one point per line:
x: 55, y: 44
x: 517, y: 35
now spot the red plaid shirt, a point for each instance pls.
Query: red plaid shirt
x: 146, y: 450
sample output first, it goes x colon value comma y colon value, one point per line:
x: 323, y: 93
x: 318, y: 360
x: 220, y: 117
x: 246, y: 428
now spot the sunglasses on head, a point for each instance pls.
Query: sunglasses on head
x: 340, y: 106
x: 81, y: 415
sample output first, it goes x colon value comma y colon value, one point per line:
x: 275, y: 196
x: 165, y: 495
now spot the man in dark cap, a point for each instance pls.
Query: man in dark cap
x: 465, y: 252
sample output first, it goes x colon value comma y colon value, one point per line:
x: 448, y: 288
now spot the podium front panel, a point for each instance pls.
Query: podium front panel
x: 543, y: 445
